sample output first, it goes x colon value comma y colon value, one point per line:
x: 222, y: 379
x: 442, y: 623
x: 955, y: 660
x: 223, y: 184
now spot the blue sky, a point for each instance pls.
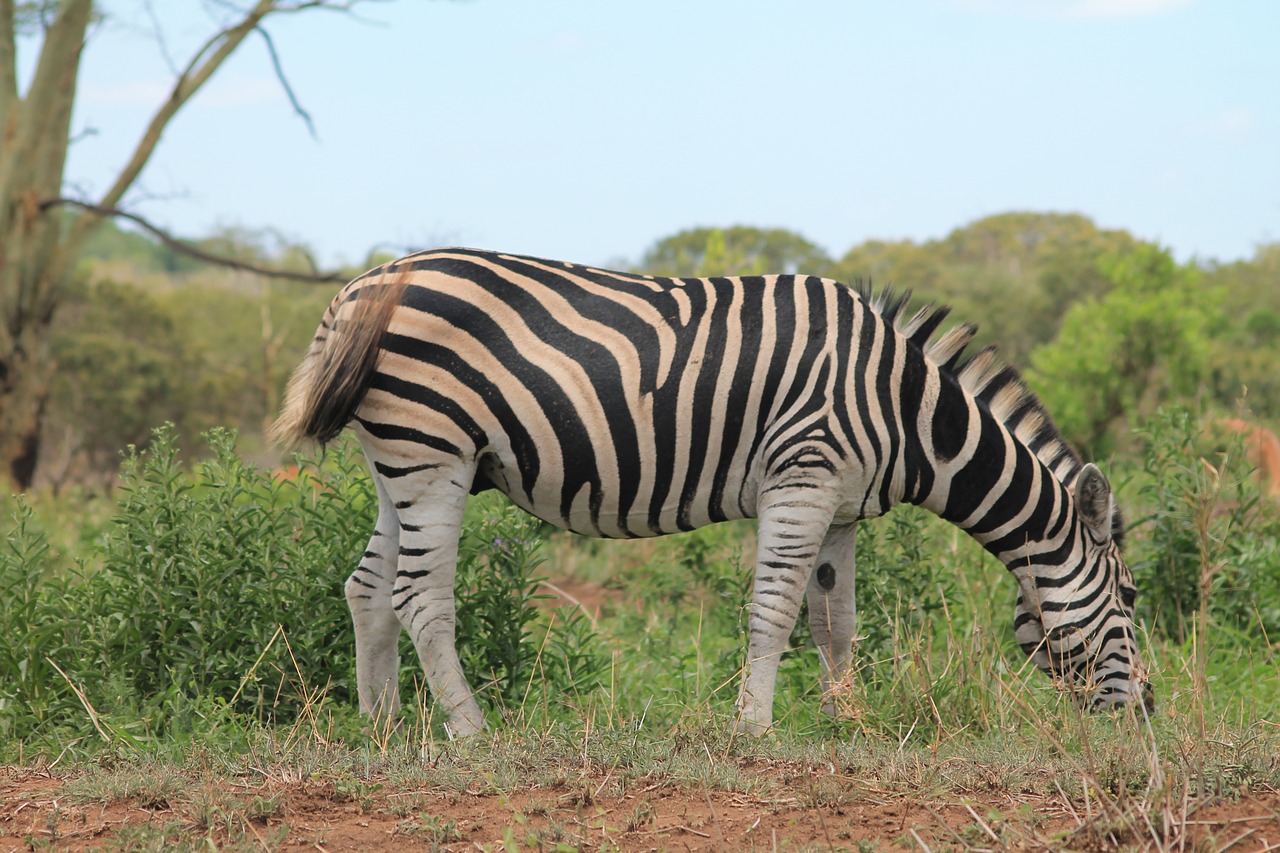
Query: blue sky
x: 588, y: 130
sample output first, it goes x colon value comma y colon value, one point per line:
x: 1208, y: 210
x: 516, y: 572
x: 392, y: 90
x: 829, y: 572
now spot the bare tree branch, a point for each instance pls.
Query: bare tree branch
x: 194, y: 252
x: 158, y: 31
x: 201, y: 67
x: 39, y: 247
x: 284, y: 81
x: 198, y: 70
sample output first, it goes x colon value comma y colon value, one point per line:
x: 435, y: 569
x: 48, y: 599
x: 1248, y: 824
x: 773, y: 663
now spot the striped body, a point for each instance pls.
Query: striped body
x: 620, y: 405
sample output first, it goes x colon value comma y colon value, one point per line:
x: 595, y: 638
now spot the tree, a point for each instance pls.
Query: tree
x: 1248, y: 350
x: 111, y: 390
x: 39, y: 245
x: 1014, y: 274
x: 739, y: 250
x: 1146, y: 341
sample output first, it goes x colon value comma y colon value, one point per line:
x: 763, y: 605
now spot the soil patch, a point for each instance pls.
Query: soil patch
x: 828, y: 813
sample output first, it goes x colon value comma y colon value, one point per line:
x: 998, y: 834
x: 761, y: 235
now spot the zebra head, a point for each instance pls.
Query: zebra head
x: 1075, y: 619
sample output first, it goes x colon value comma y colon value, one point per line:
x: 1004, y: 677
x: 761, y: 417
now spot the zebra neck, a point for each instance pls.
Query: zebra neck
x: 999, y: 492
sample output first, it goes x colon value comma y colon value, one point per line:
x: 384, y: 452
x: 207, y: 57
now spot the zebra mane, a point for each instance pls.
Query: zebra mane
x: 998, y: 387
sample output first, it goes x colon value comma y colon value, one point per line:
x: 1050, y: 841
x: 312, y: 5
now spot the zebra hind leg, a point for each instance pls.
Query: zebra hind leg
x: 832, y: 614
x: 429, y: 499
x: 377, y: 629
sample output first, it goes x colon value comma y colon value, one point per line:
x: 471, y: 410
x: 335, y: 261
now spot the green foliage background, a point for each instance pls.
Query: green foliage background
x: 1109, y: 326
x: 1147, y: 341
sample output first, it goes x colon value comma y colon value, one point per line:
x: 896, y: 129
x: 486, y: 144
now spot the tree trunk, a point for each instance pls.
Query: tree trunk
x: 26, y: 360
x: 25, y: 373
x: 35, y: 129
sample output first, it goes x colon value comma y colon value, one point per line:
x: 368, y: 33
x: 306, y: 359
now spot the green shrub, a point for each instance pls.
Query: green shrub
x: 220, y: 593
x: 201, y: 571
x: 674, y: 622
x: 34, y: 630
x: 901, y: 585
x: 1205, y: 530
x: 514, y: 657
x: 214, y: 597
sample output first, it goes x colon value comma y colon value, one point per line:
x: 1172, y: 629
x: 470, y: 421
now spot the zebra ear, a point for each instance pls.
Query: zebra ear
x: 1093, y: 501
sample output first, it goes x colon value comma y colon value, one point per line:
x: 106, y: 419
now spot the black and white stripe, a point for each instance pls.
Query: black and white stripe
x: 622, y: 405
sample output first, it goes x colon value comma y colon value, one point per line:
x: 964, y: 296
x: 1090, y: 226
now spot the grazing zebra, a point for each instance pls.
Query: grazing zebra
x: 622, y: 405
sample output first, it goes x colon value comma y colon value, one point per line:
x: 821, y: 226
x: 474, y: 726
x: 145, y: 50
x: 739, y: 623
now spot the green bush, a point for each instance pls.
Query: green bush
x: 514, y: 657
x: 678, y: 623
x: 201, y: 571
x: 221, y: 592
x: 1206, y: 532
x: 900, y: 585
x: 1116, y: 358
x: 34, y: 630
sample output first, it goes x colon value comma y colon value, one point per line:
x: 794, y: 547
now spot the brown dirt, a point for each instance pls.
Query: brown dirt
x: 827, y: 813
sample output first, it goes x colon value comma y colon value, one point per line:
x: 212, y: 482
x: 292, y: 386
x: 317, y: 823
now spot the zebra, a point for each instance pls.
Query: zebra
x: 622, y: 405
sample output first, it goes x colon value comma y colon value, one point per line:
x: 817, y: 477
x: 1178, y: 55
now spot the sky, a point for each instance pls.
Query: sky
x: 587, y: 130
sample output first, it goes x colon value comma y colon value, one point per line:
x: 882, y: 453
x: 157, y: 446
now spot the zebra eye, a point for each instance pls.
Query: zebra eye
x: 1128, y: 597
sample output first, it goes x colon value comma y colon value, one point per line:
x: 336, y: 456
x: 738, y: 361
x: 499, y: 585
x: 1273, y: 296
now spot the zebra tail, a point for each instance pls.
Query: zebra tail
x: 329, y: 384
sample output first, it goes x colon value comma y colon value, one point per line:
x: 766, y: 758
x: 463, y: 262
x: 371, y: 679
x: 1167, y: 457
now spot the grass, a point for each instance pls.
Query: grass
x: 1131, y: 782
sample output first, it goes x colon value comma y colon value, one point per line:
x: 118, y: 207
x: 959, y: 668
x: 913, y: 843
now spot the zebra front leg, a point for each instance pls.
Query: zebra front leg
x: 430, y: 503
x: 832, y: 609
x: 377, y: 629
x: 790, y: 534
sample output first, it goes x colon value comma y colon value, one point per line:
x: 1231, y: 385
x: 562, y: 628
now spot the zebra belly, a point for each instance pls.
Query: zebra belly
x: 616, y: 509
x: 566, y: 465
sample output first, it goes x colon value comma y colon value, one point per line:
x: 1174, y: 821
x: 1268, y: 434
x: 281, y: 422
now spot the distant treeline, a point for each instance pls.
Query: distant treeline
x: 1106, y: 326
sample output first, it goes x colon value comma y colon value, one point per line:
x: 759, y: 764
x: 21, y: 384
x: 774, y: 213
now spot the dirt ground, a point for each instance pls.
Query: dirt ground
x: 36, y: 812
